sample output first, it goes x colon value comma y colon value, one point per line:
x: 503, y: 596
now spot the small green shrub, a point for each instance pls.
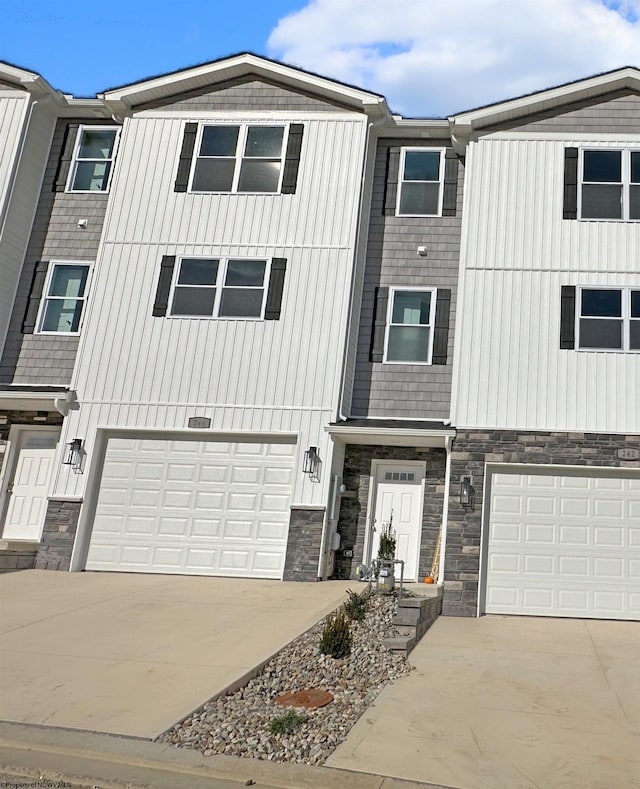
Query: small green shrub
x: 336, y: 636
x: 287, y: 722
x: 356, y: 605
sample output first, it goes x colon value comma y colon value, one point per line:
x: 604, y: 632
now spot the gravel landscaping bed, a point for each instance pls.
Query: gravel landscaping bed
x: 238, y: 724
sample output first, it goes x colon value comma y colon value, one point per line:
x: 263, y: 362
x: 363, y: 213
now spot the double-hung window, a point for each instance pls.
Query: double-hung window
x: 610, y: 184
x: 65, y: 293
x: 609, y: 319
x: 219, y: 288
x: 420, y: 182
x: 410, y: 326
x: 93, y: 159
x: 239, y: 158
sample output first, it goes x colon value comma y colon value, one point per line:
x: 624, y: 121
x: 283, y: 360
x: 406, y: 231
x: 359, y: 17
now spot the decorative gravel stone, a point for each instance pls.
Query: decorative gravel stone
x: 238, y: 724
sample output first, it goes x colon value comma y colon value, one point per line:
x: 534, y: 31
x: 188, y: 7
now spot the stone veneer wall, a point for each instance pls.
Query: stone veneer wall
x: 352, y: 521
x: 56, y: 545
x: 471, y: 450
x: 303, y: 544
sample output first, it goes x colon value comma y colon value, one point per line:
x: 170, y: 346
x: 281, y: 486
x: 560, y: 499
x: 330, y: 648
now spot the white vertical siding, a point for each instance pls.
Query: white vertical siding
x: 139, y: 372
x: 517, y: 252
x: 13, y: 108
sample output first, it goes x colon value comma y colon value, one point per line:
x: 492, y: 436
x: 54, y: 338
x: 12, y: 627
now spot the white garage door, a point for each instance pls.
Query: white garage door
x: 564, y: 545
x: 196, y: 507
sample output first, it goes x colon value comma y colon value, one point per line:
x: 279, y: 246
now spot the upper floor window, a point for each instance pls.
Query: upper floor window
x: 239, y: 158
x: 93, y: 159
x: 64, y: 296
x: 219, y: 288
x: 610, y: 184
x: 609, y: 319
x: 410, y: 326
x: 420, y: 182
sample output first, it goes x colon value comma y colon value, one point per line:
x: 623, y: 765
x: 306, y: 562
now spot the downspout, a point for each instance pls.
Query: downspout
x: 340, y: 414
x: 445, y: 508
x: 323, y: 559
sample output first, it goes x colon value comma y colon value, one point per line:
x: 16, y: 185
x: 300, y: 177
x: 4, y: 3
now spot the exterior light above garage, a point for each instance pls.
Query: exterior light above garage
x: 310, y: 463
x: 466, y: 493
x: 73, y: 455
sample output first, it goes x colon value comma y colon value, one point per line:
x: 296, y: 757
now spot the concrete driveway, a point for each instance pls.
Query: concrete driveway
x: 509, y: 702
x: 132, y: 654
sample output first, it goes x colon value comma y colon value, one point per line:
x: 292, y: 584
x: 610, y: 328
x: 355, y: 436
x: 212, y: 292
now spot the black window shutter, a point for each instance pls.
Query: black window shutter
x: 276, y: 288
x: 391, y: 181
x: 292, y: 159
x: 570, y: 205
x: 441, y: 328
x: 161, y: 303
x: 450, y: 194
x: 33, y: 305
x: 68, y: 145
x: 379, y: 324
x: 568, y: 317
x: 186, y: 156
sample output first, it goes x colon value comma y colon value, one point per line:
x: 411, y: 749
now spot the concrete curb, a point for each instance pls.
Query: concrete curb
x: 111, y: 760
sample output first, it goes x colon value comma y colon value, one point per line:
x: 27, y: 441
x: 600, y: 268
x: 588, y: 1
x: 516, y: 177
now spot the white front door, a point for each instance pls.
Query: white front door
x: 398, y: 501
x: 28, y: 484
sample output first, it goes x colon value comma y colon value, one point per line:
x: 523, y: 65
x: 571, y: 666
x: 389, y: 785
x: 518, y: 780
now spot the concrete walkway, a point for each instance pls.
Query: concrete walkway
x: 132, y: 654
x: 509, y: 702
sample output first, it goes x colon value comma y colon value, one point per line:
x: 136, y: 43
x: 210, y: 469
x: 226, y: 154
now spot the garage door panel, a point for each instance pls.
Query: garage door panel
x: 204, y: 507
x: 573, y: 553
x: 206, y: 527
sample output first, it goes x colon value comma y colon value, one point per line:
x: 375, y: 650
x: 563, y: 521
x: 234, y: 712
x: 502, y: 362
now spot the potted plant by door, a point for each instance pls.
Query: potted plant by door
x: 386, y: 555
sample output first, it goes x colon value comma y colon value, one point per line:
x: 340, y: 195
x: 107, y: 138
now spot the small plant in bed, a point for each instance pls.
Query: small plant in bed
x: 287, y: 722
x: 356, y: 605
x: 336, y: 638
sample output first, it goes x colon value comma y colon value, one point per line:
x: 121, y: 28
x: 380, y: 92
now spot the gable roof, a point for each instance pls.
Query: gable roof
x: 465, y: 123
x: 168, y: 86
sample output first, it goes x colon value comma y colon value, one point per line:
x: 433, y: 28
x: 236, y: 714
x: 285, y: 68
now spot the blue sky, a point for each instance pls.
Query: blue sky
x: 428, y: 57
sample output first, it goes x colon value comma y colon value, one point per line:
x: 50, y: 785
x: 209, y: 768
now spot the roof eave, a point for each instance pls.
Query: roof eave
x: 465, y: 123
x: 128, y: 97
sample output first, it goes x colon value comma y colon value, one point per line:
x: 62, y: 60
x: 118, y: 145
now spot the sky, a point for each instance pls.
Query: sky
x: 430, y: 58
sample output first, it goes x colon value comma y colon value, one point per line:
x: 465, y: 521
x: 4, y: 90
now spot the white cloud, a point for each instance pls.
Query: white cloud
x: 436, y: 57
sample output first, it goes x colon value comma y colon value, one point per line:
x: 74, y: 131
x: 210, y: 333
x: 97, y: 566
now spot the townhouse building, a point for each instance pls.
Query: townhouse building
x: 50, y: 225
x: 546, y: 404
x: 256, y: 318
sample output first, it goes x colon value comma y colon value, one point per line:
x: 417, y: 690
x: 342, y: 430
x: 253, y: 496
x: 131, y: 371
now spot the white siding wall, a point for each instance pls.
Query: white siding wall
x: 142, y: 372
x: 517, y: 252
x: 13, y: 108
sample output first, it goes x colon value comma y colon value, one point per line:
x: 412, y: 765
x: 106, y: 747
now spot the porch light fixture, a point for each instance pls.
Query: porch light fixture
x: 466, y: 493
x: 73, y: 455
x: 310, y: 463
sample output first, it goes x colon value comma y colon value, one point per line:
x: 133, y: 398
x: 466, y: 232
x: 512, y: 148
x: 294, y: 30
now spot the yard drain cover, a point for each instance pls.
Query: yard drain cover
x: 309, y: 699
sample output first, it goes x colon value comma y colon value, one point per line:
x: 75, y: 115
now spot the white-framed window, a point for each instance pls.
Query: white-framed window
x: 239, y: 158
x: 227, y: 288
x: 609, y: 184
x: 410, y: 319
x: 420, y: 182
x: 608, y: 319
x: 93, y: 158
x: 63, y: 297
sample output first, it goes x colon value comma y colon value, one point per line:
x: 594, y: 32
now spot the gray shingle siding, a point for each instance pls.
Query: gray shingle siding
x: 409, y: 391
x: 253, y: 94
x: 48, y: 359
x: 617, y: 112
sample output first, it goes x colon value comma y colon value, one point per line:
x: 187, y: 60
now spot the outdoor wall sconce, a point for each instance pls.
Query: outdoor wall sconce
x: 73, y: 455
x: 310, y: 463
x: 466, y: 493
